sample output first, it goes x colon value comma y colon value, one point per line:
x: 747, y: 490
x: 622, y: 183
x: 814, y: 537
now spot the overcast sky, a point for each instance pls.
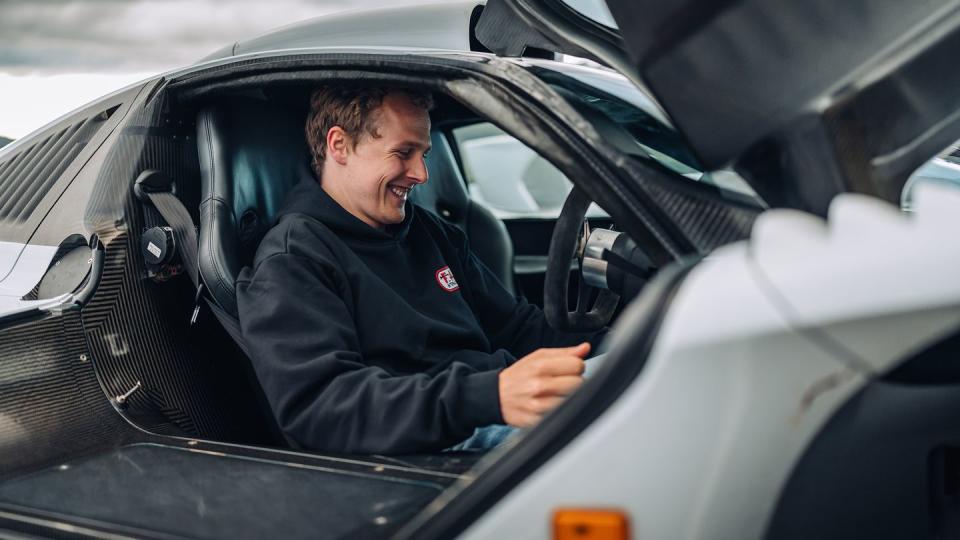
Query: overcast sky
x: 56, y: 55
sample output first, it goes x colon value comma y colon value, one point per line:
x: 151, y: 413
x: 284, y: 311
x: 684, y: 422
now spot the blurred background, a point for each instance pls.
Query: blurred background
x: 56, y: 55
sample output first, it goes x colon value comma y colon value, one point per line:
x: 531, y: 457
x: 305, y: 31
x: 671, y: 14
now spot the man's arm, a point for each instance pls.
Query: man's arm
x: 324, y: 395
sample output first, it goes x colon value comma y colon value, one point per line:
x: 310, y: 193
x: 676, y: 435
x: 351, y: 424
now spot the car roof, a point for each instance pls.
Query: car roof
x: 427, y: 26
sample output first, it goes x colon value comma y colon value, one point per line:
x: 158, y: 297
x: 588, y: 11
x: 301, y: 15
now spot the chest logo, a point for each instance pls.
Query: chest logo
x: 446, y: 280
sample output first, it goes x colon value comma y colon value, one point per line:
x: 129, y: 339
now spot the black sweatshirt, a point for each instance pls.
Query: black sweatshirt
x: 370, y: 341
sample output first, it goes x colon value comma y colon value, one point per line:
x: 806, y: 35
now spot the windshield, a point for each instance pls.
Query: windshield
x: 630, y: 120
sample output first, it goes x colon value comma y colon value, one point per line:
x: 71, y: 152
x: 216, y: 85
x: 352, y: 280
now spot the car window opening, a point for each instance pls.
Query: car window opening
x: 292, y: 99
x: 184, y: 375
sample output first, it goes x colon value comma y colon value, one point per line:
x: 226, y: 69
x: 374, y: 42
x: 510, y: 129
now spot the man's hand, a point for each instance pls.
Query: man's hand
x: 538, y: 382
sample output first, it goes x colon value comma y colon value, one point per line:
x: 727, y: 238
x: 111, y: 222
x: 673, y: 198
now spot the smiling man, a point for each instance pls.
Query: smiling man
x: 371, y: 325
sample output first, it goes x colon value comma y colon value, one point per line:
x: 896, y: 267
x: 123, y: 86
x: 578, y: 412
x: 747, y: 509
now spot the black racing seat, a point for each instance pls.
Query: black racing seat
x: 252, y: 153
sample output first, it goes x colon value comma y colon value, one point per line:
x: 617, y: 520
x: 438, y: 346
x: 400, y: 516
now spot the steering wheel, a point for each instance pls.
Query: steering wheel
x: 568, y: 234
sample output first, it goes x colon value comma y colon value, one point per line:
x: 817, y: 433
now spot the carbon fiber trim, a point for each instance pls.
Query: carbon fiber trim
x: 138, y: 330
x: 134, y: 340
x: 51, y: 405
x: 706, y: 219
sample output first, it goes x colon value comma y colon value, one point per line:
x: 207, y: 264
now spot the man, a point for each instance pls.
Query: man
x: 371, y: 325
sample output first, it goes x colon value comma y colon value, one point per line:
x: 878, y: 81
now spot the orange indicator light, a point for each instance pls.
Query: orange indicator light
x: 590, y: 524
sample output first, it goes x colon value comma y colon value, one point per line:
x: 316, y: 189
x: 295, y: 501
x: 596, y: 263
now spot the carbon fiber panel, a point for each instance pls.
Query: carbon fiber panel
x: 212, y: 496
x: 51, y: 405
x: 134, y: 340
x: 707, y: 221
x: 138, y: 330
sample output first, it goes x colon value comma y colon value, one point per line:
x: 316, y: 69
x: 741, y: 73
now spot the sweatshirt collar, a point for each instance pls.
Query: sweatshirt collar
x: 307, y: 197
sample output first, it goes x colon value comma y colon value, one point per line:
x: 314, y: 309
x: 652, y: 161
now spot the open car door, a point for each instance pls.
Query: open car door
x: 866, y: 100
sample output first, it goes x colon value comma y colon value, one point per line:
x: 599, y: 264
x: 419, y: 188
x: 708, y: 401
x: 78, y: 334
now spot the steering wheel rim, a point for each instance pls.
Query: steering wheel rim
x: 563, y: 246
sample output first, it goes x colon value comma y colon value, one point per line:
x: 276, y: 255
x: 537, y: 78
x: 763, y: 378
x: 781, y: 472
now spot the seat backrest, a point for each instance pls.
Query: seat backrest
x: 251, y: 154
x: 445, y: 194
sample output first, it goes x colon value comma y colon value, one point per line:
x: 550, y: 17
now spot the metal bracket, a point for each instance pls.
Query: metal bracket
x: 121, y: 400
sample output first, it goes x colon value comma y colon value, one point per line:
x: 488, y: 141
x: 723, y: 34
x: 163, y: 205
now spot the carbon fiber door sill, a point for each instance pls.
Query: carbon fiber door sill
x: 159, y: 490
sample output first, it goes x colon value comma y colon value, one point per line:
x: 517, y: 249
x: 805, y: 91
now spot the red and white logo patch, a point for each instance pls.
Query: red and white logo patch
x: 446, y: 280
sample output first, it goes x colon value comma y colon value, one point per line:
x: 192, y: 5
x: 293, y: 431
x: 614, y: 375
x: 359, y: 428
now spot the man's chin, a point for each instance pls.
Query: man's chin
x: 393, y: 218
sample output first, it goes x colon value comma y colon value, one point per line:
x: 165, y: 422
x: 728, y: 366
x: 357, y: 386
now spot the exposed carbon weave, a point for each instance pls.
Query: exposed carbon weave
x: 134, y: 340
x: 704, y: 218
x: 51, y: 406
x: 138, y: 330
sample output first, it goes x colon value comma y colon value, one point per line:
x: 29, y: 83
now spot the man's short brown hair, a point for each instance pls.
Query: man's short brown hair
x: 353, y: 108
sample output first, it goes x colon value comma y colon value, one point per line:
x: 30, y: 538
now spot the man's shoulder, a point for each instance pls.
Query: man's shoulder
x: 295, y: 235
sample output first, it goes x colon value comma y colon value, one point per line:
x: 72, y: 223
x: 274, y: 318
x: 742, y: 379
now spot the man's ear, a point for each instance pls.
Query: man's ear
x: 338, y: 145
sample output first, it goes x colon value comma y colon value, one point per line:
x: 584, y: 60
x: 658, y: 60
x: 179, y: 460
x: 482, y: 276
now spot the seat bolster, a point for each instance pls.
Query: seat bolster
x: 215, y: 166
x: 491, y: 242
x: 219, y: 253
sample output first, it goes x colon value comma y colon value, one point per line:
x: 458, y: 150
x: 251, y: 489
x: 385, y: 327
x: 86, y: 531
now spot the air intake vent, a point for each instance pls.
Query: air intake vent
x: 26, y: 176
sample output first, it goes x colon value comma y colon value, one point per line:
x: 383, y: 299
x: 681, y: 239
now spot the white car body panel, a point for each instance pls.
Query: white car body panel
x: 27, y: 264
x: 27, y: 270
x: 9, y: 253
x: 764, y: 341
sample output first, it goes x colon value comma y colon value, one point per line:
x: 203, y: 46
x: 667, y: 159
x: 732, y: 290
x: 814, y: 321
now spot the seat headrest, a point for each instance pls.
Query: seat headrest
x: 251, y: 154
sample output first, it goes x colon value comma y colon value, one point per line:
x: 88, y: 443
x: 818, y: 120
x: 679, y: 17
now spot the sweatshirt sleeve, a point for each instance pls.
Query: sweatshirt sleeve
x: 325, y: 395
x: 509, y: 321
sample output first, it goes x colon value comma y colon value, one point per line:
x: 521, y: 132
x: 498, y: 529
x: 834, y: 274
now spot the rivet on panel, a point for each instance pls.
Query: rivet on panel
x: 83, y: 358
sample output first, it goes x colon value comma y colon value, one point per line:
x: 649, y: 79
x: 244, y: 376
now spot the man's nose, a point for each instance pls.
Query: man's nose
x: 418, y: 172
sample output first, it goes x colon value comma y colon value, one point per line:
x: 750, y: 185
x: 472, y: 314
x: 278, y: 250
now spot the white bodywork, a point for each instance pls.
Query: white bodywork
x: 762, y: 344
x: 21, y: 268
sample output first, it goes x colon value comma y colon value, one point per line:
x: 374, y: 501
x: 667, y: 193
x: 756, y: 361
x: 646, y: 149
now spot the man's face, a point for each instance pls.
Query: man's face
x: 381, y: 171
